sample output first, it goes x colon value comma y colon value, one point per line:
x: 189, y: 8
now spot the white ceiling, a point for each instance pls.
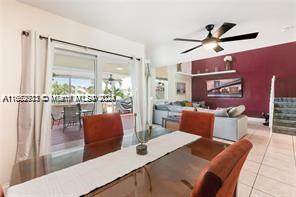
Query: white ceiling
x: 156, y: 22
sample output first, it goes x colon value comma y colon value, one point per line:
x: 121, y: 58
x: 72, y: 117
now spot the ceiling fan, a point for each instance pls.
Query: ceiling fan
x: 111, y: 80
x: 212, y: 41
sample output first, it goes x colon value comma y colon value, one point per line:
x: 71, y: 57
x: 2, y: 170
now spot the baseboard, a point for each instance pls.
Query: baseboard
x: 254, y: 119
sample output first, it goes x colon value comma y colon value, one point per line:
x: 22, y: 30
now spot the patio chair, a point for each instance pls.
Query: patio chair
x: 87, y: 111
x: 71, y: 116
x: 124, y: 106
x: 56, y: 115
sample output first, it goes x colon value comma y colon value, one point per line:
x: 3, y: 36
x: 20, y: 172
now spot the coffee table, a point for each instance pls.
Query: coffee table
x: 171, y: 122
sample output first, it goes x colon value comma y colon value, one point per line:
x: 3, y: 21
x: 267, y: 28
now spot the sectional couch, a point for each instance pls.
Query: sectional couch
x: 230, y: 123
x: 165, y: 109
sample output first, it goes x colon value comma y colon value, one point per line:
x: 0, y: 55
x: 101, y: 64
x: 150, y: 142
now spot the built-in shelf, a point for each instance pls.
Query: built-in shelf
x: 182, y: 73
x: 209, y: 73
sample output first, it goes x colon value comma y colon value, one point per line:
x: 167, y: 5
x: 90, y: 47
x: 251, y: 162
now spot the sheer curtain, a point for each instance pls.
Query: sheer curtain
x: 34, y: 128
x: 137, y: 71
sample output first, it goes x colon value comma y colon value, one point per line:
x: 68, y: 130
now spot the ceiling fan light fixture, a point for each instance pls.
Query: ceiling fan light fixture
x: 210, y: 45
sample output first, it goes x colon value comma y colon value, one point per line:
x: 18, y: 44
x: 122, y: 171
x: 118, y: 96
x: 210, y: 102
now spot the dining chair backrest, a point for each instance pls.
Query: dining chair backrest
x: 91, y: 108
x: 71, y: 114
x: 101, y: 127
x: 1, y: 191
x: 219, y: 178
x: 199, y: 123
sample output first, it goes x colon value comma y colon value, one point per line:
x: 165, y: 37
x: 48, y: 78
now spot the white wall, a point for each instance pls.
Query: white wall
x: 173, y: 78
x: 16, y: 17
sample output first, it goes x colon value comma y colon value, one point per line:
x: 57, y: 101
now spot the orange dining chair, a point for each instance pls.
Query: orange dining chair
x: 199, y: 123
x: 101, y: 127
x: 219, y: 178
x: 1, y: 192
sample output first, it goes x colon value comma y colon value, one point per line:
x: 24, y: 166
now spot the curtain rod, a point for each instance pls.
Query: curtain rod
x: 26, y: 33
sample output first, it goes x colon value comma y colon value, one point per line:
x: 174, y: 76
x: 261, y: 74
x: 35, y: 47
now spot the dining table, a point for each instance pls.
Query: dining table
x: 173, y: 174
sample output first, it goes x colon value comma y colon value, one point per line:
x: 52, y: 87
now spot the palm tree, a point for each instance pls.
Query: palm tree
x: 111, y: 90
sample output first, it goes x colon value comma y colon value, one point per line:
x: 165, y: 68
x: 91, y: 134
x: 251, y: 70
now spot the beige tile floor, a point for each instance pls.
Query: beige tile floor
x: 270, y: 168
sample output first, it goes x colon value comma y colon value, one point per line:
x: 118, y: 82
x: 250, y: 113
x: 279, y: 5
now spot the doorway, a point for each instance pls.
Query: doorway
x: 74, y: 74
x: 80, y: 74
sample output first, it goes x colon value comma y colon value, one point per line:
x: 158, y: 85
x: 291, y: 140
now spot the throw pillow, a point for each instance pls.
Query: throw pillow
x: 216, y: 112
x: 163, y: 107
x: 175, y: 108
x: 202, y: 104
x: 221, y: 113
x: 205, y: 110
x: 184, y: 102
x: 195, y: 104
x: 227, y: 108
x: 236, y: 111
x: 188, y: 104
x: 188, y: 108
x: 178, y: 103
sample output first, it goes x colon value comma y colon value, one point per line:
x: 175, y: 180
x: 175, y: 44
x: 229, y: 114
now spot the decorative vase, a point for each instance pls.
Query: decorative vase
x: 228, y: 65
x: 142, y: 148
x: 228, y: 62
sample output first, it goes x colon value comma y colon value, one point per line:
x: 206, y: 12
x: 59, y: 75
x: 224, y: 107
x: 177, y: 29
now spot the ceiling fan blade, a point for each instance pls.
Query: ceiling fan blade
x: 223, y: 29
x: 187, y: 40
x: 191, y: 49
x: 240, y: 37
x: 218, y: 48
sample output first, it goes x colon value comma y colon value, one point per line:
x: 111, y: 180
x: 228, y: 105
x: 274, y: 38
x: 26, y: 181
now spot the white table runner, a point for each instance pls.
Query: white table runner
x: 84, y: 177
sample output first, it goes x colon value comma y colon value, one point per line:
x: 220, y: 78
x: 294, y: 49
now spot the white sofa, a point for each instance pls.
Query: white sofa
x: 231, y: 128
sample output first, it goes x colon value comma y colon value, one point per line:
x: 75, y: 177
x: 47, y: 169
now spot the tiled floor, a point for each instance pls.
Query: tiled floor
x: 270, y: 167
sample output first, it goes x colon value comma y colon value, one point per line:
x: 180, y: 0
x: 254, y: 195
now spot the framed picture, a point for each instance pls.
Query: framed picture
x: 225, y: 88
x: 181, y: 87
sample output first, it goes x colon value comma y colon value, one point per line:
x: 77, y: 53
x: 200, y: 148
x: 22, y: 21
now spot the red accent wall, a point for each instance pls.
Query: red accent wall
x: 256, y: 68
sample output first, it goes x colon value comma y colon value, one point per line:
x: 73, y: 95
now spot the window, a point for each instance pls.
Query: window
x: 82, y: 85
x: 71, y: 85
x: 73, y: 74
x: 61, y: 85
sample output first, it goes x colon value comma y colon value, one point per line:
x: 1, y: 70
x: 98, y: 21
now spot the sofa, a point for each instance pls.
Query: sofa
x: 229, y: 128
x: 165, y: 109
x: 230, y: 123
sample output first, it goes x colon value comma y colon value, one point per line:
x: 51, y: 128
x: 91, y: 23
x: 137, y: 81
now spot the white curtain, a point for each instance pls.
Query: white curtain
x: 34, y: 119
x: 138, y: 91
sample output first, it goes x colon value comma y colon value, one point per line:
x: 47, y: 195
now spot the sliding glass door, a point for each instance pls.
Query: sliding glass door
x: 83, y: 75
x: 74, y: 75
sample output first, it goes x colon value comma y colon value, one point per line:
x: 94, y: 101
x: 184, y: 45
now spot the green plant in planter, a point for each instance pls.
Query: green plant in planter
x: 111, y: 90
